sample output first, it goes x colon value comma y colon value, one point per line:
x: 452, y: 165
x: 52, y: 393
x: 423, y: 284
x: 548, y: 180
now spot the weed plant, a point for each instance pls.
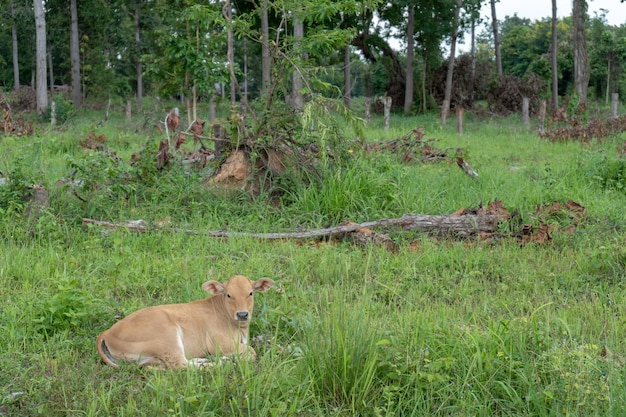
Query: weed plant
x: 441, y: 327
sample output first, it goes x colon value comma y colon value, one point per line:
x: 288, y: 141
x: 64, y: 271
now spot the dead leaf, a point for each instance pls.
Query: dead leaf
x: 459, y: 212
x: 173, y: 119
x: 163, y: 155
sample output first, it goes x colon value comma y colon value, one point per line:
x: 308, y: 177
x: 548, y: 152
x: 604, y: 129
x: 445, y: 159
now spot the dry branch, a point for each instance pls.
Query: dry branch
x: 453, y: 224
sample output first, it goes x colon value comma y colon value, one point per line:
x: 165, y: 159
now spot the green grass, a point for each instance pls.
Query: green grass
x: 450, y: 328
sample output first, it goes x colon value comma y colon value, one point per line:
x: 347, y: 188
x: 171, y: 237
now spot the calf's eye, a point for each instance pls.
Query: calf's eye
x: 228, y: 295
x: 251, y: 293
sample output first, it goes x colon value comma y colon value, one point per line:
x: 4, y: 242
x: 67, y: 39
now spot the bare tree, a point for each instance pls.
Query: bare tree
x: 266, y: 61
x: 16, y: 65
x: 555, y: 74
x: 40, y: 35
x: 448, y: 93
x: 410, y: 55
x: 496, y: 37
x: 75, y: 55
x: 582, y: 70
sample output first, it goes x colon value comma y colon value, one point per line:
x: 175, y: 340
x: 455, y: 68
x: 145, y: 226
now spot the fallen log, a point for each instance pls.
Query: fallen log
x: 463, y: 226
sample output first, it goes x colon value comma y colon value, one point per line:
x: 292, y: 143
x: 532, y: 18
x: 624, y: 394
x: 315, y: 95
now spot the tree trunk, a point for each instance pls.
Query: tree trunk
x: 347, y: 83
x: 424, y: 66
x: 614, y: 104
x: 461, y: 225
x: 75, y: 55
x: 50, y: 71
x: 266, y: 61
x: 16, y: 65
x: 448, y: 93
x: 473, y: 55
x: 296, y: 80
x: 410, y: 55
x: 555, y: 73
x: 496, y: 37
x: 582, y: 70
x: 138, y: 67
x: 231, y: 51
x: 608, y: 81
x: 40, y: 34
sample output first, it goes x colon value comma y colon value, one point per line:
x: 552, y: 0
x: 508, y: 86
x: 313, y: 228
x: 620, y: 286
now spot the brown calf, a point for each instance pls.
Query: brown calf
x: 178, y: 335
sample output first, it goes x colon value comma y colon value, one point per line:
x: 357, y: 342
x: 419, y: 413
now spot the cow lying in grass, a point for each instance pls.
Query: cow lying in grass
x: 178, y: 335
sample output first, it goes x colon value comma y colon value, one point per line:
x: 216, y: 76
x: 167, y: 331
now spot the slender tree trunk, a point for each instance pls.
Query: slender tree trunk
x: 231, y: 50
x: 16, y: 65
x: 40, y: 35
x: 50, y: 70
x: 245, y: 68
x: 496, y: 37
x: 424, y: 67
x: 75, y: 55
x: 582, y: 70
x: 266, y: 60
x: 138, y: 66
x: 555, y: 72
x: 608, y: 82
x: 473, y: 50
x: 296, y: 80
x: 347, y: 83
x: 410, y: 55
x: 448, y: 93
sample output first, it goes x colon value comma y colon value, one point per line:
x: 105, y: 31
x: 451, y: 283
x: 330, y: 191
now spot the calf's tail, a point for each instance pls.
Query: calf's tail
x: 105, y: 353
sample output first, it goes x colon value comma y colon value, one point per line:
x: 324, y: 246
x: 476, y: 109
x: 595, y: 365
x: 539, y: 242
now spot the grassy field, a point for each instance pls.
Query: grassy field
x: 442, y: 327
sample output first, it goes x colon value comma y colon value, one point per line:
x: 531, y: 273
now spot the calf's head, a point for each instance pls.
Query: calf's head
x: 238, y: 295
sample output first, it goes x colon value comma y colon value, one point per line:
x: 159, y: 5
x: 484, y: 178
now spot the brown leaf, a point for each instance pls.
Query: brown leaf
x: 173, y: 119
x: 414, y: 246
x: 459, y: 212
x: 163, y: 155
x: 179, y: 141
x: 578, y: 212
x: 543, y: 235
x: 486, y: 237
x: 496, y: 208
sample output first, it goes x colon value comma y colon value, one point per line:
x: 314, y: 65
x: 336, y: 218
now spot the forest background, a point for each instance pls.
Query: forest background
x: 128, y: 49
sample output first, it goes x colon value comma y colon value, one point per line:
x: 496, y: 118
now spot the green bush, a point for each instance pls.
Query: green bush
x: 68, y: 308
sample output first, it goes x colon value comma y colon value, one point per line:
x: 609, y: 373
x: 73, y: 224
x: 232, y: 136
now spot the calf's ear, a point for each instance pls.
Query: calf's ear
x: 263, y: 284
x: 213, y: 287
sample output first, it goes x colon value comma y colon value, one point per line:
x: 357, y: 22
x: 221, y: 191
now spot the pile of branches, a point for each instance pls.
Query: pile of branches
x: 506, y: 92
x: 412, y: 147
x: 552, y: 217
x: 470, y: 81
x: 24, y: 99
x: 575, y: 129
x: 10, y: 125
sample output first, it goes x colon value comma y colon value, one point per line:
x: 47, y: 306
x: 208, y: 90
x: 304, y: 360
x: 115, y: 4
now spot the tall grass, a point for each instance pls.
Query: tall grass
x: 441, y: 327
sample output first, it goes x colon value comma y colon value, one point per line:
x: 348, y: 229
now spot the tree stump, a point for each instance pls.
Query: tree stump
x: 525, y: 111
x: 614, y: 104
x: 460, y: 113
x: 387, y: 109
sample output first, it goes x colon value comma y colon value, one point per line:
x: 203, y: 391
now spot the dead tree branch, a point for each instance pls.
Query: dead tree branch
x: 465, y: 225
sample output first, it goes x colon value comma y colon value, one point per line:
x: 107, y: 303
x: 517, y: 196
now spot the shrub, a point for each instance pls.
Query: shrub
x: 68, y: 308
x: 15, y: 191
